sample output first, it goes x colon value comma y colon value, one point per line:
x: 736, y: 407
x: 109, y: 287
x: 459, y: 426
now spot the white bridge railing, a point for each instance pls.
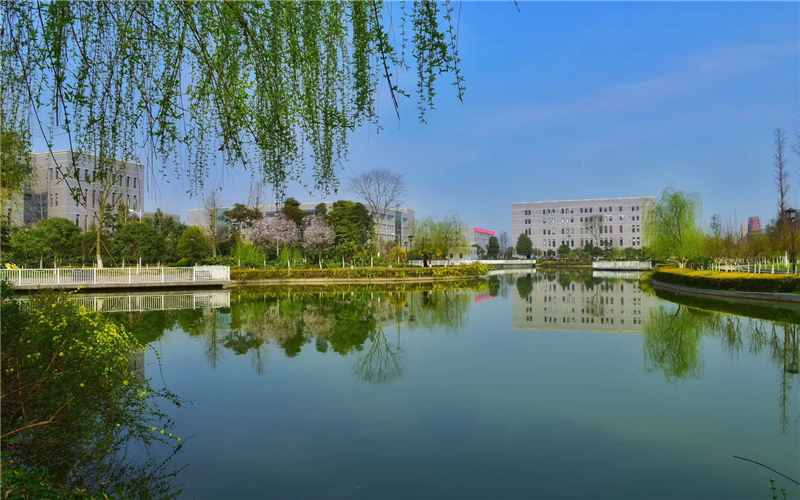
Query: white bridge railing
x: 114, y: 276
x: 140, y: 302
x: 622, y: 265
x: 463, y: 262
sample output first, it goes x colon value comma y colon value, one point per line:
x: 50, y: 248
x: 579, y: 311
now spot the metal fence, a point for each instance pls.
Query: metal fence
x: 114, y: 276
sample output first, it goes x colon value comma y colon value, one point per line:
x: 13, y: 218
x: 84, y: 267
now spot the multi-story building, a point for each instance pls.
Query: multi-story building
x: 619, y: 306
x: 63, y: 188
x: 395, y: 225
x: 474, y: 236
x: 604, y: 222
x: 754, y: 225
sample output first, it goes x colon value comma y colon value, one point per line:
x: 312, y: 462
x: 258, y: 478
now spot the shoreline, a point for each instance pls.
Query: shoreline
x: 347, y: 281
x: 705, y: 292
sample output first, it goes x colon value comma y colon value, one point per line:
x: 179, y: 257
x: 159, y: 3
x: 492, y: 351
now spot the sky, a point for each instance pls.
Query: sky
x: 571, y: 100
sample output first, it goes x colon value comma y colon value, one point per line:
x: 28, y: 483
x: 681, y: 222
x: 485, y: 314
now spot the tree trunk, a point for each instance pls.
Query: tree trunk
x: 99, y: 254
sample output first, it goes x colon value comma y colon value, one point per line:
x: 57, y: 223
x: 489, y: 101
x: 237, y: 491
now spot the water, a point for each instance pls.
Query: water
x: 530, y: 386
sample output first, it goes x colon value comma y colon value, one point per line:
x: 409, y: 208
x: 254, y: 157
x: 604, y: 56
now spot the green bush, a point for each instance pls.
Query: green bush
x: 360, y: 273
x: 742, y: 282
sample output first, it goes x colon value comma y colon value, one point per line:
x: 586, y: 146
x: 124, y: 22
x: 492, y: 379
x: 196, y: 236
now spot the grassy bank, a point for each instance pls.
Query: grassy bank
x: 472, y: 284
x: 738, y: 282
x: 366, y: 273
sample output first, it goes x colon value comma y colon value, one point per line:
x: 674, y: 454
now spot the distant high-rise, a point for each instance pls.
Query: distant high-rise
x: 754, y: 225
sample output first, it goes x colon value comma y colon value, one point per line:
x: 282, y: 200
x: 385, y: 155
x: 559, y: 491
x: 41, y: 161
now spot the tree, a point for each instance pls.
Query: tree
x: 193, y: 244
x: 212, y: 203
x: 15, y: 158
x: 434, y: 237
x: 107, y: 171
x: 140, y: 241
x: 380, y: 190
x: 59, y: 236
x: 480, y: 251
x: 318, y: 238
x: 398, y: 255
x: 781, y: 182
x: 351, y: 222
x: 291, y: 209
x: 493, y: 248
x: 274, y: 230
x: 505, y: 241
x: 184, y: 92
x: 241, y: 217
x: 321, y: 210
x: 563, y: 251
x: 671, y: 225
x: 524, y: 246
x: 509, y: 252
x: 592, y: 225
x: 25, y: 246
x: 170, y: 229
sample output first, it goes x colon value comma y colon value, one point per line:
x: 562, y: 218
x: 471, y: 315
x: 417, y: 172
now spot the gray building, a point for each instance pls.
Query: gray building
x: 613, y: 307
x: 474, y: 236
x: 57, y: 180
x: 604, y: 222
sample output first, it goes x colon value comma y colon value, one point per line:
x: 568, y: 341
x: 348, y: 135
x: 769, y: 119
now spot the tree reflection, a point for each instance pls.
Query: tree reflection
x: 674, y: 331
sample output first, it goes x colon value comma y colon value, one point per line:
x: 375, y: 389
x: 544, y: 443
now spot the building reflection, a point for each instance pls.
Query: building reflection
x: 580, y: 301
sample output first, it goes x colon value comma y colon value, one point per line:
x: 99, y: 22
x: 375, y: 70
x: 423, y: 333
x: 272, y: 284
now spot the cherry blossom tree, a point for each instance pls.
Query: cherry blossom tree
x: 318, y: 237
x: 275, y: 230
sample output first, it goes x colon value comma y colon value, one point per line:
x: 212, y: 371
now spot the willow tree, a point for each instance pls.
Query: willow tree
x: 186, y: 86
x: 671, y: 226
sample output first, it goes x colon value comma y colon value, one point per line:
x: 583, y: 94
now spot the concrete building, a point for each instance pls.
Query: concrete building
x: 56, y: 178
x: 612, y: 307
x: 605, y: 222
x: 151, y: 216
x: 474, y: 236
x: 395, y: 225
x: 754, y: 225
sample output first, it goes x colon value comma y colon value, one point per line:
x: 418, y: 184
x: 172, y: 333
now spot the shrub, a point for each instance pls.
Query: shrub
x: 360, y: 273
x: 716, y: 280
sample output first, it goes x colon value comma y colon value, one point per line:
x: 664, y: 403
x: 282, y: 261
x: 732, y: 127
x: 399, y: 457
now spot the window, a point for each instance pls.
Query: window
x: 610, y: 209
x: 56, y: 199
x: 77, y: 173
x: 581, y: 219
x: 134, y: 202
x: 77, y: 201
x: 620, y: 208
x: 78, y: 220
x: 86, y: 174
x: 581, y: 210
x: 50, y: 175
x: 571, y: 220
x: 120, y: 180
x: 590, y: 209
x: 94, y: 193
x: 620, y: 228
x: 51, y: 200
x: 128, y: 201
x: 620, y: 242
x: 128, y: 181
x: 572, y: 210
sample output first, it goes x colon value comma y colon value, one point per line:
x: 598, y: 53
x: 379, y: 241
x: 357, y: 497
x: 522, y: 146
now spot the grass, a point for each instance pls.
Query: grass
x: 738, y: 281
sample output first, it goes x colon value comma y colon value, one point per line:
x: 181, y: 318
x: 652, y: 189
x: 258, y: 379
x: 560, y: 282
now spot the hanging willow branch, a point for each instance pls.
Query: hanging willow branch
x: 182, y: 86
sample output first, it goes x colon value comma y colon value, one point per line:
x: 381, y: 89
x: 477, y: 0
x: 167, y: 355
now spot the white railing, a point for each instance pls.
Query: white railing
x: 622, y: 265
x: 114, y: 276
x: 462, y: 262
x: 151, y: 302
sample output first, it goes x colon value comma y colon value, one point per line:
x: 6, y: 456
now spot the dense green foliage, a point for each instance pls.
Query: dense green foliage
x: 193, y: 244
x: 524, y: 246
x: 436, y: 238
x: 73, y: 401
x: 137, y: 241
x: 672, y: 226
x: 716, y: 280
x: 360, y: 273
x: 493, y: 248
x: 16, y: 161
x: 272, y: 85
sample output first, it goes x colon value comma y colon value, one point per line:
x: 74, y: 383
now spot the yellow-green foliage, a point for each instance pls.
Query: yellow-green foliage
x: 72, y: 399
x: 397, y: 254
x: 360, y: 273
x: 716, y: 280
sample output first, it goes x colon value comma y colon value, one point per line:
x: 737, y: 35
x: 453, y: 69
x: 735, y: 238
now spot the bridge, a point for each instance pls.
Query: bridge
x: 499, y: 263
x: 131, y: 277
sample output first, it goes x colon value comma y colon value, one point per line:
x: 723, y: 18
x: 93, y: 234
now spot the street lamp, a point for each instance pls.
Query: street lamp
x: 791, y: 213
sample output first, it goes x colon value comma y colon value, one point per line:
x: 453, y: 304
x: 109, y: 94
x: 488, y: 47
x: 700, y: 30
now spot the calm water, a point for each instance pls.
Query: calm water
x: 529, y: 386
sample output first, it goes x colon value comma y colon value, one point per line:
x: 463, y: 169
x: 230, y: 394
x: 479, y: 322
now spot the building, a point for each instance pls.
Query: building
x: 56, y: 178
x: 754, y: 225
x: 612, y: 307
x: 474, y: 236
x: 604, y: 222
x: 152, y: 215
x: 395, y: 225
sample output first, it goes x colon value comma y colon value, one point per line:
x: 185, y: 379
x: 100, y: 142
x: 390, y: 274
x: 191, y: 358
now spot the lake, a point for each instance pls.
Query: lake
x: 526, y: 385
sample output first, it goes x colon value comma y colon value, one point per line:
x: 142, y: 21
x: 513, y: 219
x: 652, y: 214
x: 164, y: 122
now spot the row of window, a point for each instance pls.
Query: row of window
x: 571, y: 220
x: 53, y: 175
x: 96, y: 200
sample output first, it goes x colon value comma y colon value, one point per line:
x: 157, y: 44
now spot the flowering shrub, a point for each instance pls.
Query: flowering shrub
x: 742, y: 282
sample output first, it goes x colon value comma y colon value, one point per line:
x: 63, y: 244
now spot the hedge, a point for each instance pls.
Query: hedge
x: 476, y: 285
x: 472, y: 270
x: 740, y: 282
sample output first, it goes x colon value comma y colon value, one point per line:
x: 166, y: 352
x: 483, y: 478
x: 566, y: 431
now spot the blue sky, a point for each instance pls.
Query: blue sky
x: 588, y: 100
